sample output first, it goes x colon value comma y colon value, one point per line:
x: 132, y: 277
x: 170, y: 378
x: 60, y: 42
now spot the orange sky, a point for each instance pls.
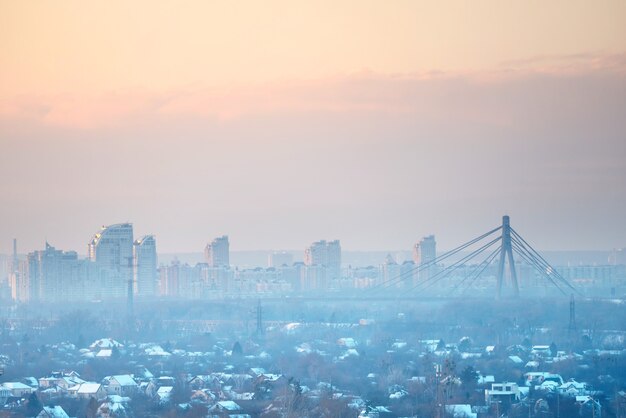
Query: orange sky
x: 284, y: 122
x: 83, y: 48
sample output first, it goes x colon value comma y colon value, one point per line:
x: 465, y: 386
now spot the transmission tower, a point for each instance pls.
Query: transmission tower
x: 506, y: 250
x: 572, y: 316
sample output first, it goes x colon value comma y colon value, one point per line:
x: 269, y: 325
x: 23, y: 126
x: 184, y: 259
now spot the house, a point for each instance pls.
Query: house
x: 573, y: 388
x: 226, y: 407
x: 150, y: 389
x: 460, y: 411
x: 52, y: 412
x: 198, y: 382
x: 63, y: 380
x: 541, y: 351
x: 257, y: 371
x: 506, y: 392
x: 375, y: 412
x: 50, y: 393
x: 587, y: 403
x: 104, y: 353
x: 89, y: 390
x: 163, y: 394
x: 18, y: 389
x: 66, y: 382
x: 537, y: 378
x: 31, y: 381
x: 486, y: 380
x: 532, y: 365
x: 123, y: 385
x: 5, y: 394
x: 548, y: 386
x: 347, y: 342
x: 46, y: 382
x: 111, y: 408
x: 109, y: 343
x: 204, y: 396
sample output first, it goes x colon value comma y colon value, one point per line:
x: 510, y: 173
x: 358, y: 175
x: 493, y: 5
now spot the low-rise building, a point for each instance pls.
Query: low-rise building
x: 507, y: 392
x: 18, y: 389
x: 123, y: 385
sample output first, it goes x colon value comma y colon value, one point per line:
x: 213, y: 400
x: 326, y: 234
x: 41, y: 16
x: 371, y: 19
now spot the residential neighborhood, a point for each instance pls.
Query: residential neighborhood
x: 390, y: 363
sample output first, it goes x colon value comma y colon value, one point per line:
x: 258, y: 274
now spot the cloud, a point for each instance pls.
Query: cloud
x: 375, y: 159
x: 431, y: 96
x: 569, y: 63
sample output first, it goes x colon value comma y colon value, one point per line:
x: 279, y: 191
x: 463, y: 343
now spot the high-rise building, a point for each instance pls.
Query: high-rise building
x: 112, y: 249
x: 334, y: 260
x: 417, y: 253
x: 326, y: 254
x: 217, y: 252
x: 617, y: 257
x: 145, y: 264
x: 390, y: 272
x: 280, y: 258
x: 316, y: 254
x: 55, y: 275
x: 18, y: 277
x: 19, y: 281
x: 425, y: 252
x: 428, y: 249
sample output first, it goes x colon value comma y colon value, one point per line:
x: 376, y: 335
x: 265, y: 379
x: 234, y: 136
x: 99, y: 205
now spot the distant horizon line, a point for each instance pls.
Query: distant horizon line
x: 342, y: 250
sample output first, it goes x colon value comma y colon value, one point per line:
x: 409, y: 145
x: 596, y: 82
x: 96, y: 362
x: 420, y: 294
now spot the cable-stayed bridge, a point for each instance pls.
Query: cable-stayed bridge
x: 502, y: 244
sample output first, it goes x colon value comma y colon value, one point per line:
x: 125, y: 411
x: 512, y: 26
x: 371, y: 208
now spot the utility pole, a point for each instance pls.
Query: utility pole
x: 259, y: 319
x: 438, y: 375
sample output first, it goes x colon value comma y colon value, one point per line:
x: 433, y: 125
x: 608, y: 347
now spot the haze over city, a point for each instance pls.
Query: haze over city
x: 303, y: 209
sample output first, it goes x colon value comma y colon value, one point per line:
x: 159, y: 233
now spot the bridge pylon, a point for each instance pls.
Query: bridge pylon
x: 506, y: 251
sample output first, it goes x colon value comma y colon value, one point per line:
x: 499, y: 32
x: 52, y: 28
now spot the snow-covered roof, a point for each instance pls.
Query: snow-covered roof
x: 105, y: 343
x: 89, y: 388
x: 118, y: 399
x: 164, y: 390
x: 116, y: 407
x: 347, y: 342
x: 257, y: 370
x: 54, y: 412
x: 462, y: 410
x: 156, y: 350
x: 107, y: 352
x: 399, y: 345
x: 229, y: 405
x: 15, y: 385
x: 572, y: 384
x: 482, y: 380
x: 125, y: 380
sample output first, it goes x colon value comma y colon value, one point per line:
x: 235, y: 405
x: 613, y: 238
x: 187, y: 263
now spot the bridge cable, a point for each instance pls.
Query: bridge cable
x: 400, y: 277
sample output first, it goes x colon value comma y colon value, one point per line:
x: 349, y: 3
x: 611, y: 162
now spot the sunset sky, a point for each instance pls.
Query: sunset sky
x: 284, y: 122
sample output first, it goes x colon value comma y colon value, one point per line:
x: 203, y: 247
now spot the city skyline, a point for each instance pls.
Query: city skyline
x: 118, y: 266
x: 413, y: 249
x: 331, y: 208
x: 379, y: 126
